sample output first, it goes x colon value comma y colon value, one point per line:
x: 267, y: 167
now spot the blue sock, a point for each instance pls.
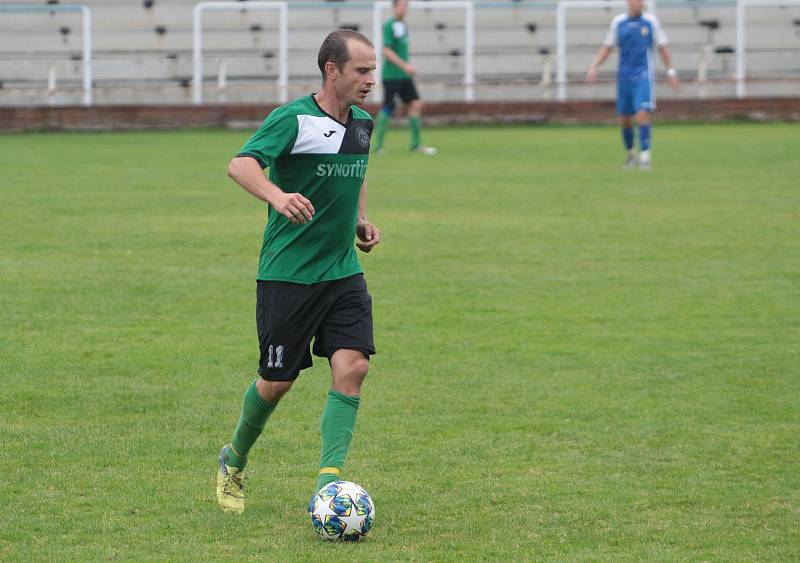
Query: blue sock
x: 627, y: 137
x: 644, y: 137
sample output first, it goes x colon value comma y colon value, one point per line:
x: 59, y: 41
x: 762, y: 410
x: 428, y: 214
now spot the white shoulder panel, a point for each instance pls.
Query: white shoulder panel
x: 318, y: 135
x: 659, y: 37
x: 611, y: 39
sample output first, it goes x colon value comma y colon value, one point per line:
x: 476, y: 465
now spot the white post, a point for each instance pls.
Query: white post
x: 547, y: 72
x: 222, y: 75
x: 377, y: 40
x: 51, y: 78
x: 469, y: 39
x: 740, y: 49
x: 702, y: 72
x: 561, y: 52
x: 469, y: 53
x: 51, y: 84
x: 197, y: 50
x: 283, y: 54
x: 222, y: 81
x: 87, y: 56
x: 197, y: 42
x: 547, y: 77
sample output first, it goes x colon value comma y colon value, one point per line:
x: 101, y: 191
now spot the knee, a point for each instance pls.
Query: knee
x: 359, y: 368
x: 354, y: 371
x: 348, y: 378
x: 272, y: 391
x: 349, y: 368
x: 415, y: 108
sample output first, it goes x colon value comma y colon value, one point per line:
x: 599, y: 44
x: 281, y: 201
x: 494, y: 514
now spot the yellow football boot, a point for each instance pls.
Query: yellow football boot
x: 230, y: 486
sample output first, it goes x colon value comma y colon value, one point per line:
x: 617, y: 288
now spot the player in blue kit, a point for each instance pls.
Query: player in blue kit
x: 637, y: 35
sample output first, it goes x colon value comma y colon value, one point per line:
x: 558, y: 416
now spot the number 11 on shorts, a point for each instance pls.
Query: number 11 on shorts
x: 278, y: 363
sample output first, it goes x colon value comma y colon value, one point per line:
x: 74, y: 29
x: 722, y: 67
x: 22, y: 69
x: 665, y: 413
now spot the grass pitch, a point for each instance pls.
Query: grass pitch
x: 575, y: 363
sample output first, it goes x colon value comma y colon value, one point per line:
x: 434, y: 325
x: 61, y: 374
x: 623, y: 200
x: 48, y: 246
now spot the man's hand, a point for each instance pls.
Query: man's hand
x: 294, y: 207
x: 674, y: 82
x: 409, y: 69
x: 591, y: 75
x: 368, y: 236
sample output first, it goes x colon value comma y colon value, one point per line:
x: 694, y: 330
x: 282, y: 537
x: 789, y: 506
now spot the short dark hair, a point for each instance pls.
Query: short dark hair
x: 334, y: 48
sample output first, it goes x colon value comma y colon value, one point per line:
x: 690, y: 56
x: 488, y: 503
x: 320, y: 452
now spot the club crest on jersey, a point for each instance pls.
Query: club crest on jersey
x: 362, y: 136
x: 645, y: 31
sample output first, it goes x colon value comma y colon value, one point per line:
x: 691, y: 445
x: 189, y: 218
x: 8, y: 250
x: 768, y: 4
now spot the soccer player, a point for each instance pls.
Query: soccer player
x: 637, y: 35
x: 310, y: 283
x: 398, y: 81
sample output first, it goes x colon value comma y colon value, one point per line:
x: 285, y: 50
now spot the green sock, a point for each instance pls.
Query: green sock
x: 415, y: 126
x: 338, y: 421
x: 255, y: 412
x: 381, y: 125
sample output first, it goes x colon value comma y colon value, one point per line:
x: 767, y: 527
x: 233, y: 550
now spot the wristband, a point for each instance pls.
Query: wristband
x: 672, y: 73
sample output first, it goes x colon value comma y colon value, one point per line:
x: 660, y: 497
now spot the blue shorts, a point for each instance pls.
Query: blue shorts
x: 633, y: 96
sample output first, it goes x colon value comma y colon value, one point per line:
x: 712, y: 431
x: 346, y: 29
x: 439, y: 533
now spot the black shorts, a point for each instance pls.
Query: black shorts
x: 336, y: 314
x: 403, y: 88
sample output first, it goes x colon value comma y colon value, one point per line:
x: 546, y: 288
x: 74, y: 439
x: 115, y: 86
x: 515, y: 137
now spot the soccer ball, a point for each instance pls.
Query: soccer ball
x: 342, y: 510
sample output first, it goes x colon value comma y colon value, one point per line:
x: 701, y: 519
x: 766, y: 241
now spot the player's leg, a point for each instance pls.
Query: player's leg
x: 410, y: 97
x: 284, y: 338
x: 644, y: 103
x: 345, y: 337
x: 348, y: 368
x: 626, y: 123
x: 260, y: 399
x: 284, y: 335
x: 643, y: 121
x: 384, y: 116
x: 625, y: 111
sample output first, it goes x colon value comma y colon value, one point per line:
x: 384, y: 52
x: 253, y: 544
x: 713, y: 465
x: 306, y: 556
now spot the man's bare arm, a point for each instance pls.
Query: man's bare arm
x: 602, y: 55
x: 395, y: 59
x: 246, y: 172
x: 368, y: 234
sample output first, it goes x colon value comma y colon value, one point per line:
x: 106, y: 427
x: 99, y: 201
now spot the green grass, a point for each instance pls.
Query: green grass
x: 575, y: 363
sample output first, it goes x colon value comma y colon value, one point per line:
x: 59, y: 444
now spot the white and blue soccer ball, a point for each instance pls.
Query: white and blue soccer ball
x: 342, y: 511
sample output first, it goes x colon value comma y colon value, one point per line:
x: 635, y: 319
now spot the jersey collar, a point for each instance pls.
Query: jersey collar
x: 349, y: 112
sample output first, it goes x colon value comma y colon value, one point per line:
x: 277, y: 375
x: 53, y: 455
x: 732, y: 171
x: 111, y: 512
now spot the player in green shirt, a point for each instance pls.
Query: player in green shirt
x: 398, y: 81
x: 310, y: 284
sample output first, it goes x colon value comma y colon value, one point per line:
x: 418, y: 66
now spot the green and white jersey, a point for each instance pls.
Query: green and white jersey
x: 395, y: 36
x: 311, y: 153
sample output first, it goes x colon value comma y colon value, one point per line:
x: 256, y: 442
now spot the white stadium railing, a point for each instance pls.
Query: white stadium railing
x: 87, y: 39
x: 197, y: 42
x: 741, y: 37
x: 560, y: 9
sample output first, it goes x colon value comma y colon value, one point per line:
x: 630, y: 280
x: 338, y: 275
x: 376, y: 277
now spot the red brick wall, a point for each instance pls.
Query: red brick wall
x: 174, y: 117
